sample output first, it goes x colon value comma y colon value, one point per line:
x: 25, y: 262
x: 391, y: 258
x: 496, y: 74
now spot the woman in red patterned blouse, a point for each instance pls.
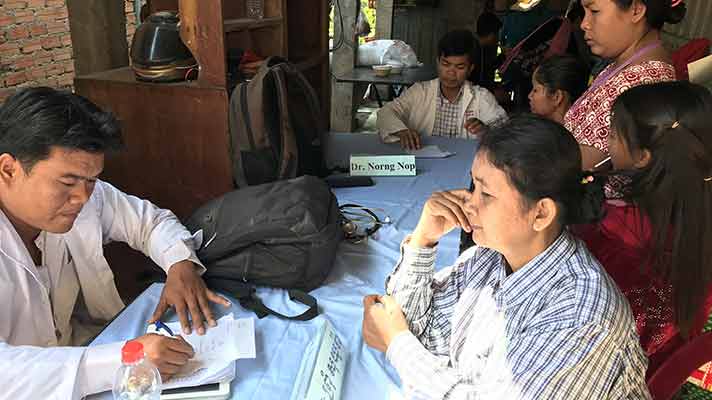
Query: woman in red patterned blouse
x: 627, y: 32
x: 656, y: 243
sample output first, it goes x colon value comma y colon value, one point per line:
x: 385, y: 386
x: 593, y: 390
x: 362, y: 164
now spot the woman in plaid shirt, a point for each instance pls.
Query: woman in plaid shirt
x: 528, y: 313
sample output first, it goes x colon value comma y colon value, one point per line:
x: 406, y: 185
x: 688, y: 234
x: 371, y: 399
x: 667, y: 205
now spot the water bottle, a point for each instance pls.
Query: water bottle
x: 137, y: 379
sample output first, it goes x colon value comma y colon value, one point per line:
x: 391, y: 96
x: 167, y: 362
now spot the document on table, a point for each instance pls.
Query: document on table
x: 215, y: 352
x: 430, y: 151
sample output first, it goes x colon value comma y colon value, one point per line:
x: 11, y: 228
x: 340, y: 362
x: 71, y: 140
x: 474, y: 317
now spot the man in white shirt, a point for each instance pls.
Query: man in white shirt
x: 449, y: 105
x: 56, y: 287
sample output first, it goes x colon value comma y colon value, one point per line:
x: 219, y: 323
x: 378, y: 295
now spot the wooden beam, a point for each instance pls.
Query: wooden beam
x: 98, y: 29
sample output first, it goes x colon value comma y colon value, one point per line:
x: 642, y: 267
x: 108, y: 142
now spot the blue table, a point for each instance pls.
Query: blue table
x: 359, y: 269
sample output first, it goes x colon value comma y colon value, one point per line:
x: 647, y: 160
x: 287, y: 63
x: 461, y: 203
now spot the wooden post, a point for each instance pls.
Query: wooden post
x: 202, y: 32
x: 343, y: 96
x: 98, y: 29
x: 384, y: 19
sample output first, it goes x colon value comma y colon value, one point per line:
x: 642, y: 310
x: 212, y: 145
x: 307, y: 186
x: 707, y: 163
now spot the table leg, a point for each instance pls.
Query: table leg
x: 378, y: 95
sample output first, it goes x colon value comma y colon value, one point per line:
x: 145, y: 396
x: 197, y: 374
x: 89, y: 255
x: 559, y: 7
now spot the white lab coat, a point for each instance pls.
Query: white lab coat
x: 415, y: 109
x: 30, y: 366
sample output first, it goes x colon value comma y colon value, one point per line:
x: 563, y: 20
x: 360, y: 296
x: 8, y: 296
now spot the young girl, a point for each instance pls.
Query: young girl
x: 656, y: 243
x: 556, y: 84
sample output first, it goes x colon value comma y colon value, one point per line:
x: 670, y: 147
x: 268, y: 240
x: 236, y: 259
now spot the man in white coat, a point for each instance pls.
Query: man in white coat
x: 449, y: 105
x: 56, y: 287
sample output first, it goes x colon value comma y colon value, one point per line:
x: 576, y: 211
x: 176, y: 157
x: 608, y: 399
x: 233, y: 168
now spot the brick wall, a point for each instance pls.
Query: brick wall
x: 36, y: 45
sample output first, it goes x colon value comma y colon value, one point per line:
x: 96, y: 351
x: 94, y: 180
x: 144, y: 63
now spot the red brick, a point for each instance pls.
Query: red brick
x: 68, y: 66
x: 31, y: 46
x: 22, y: 63
x: 128, y: 7
x: 36, y: 3
x: 7, y: 54
x: 62, y: 54
x: 66, y: 39
x: 15, y: 5
x: 37, y: 73
x: 56, y: 3
x: 50, y: 81
x: 51, y: 42
x: 65, y: 79
x: 47, y: 11
x: 55, y: 69
x: 51, y: 14
x: 15, y: 79
x: 42, y: 59
x: 38, y: 30
x: 9, y: 45
x: 8, y: 50
x: 18, y: 32
x: 57, y: 27
x: 24, y: 16
x: 6, y: 20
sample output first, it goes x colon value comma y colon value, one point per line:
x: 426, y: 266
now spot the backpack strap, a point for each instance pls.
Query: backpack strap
x: 288, y: 156
x: 256, y: 305
x: 245, y: 294
x: 310, y: 94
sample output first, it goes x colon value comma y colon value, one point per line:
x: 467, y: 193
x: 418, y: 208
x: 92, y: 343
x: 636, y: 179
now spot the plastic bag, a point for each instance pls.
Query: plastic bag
x: 379, y: 52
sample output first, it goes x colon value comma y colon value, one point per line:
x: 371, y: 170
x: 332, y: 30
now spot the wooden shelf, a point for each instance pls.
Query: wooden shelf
x: 245, y: 24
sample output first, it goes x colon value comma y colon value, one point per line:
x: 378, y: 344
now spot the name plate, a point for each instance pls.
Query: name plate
x: 323, y: 367
x: 383, y: 165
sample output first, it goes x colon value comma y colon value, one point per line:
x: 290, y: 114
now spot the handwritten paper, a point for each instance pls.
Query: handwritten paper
x: 215, y: 352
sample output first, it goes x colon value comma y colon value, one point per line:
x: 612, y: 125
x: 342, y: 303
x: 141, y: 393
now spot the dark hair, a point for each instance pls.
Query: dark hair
x: 658, y: 12
x: 565, y: 73
x: 673, y: 121
x: 576, y: 11
x: 488, y: 24
x: 542, y: 160
x: 459, y: 42
x: 34, y: 120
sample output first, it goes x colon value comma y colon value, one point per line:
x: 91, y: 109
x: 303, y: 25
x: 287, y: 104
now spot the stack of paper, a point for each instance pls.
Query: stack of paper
x: 215, y: 352
x: 430, y: 151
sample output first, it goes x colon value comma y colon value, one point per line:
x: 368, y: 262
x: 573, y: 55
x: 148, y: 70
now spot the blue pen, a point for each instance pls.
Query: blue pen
x: 161, y: 326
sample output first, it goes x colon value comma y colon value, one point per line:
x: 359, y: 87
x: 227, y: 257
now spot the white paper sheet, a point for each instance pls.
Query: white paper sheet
x: 215, y: 352
x: 430, y: 151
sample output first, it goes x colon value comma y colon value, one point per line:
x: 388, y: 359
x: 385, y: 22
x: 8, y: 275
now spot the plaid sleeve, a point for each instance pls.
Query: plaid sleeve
x: 427, y: 298
x: 584, y: 362
x: 580, y: 363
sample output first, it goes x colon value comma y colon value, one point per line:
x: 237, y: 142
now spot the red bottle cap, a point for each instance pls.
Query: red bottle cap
x: 131, y: 352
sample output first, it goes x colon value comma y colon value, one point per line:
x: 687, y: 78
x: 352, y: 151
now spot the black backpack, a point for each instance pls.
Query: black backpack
x: 282, y: 234
x: 275, y: 126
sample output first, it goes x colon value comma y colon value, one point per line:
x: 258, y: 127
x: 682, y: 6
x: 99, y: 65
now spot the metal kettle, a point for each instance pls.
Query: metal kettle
x: 157, y: 52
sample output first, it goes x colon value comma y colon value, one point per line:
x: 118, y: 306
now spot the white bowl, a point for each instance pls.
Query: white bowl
x: 382, y: 70
x: 396, y: 67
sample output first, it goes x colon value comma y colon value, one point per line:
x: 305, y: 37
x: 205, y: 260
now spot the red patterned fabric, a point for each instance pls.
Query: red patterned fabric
x: 619, y: 243
x: 589, y: 120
